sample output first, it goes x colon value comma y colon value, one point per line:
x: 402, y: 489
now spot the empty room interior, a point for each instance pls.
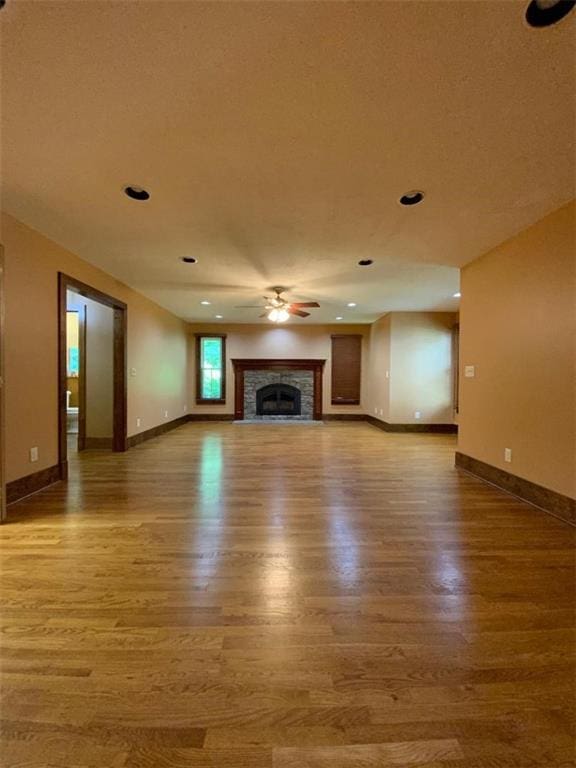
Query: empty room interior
x: 287, y: 384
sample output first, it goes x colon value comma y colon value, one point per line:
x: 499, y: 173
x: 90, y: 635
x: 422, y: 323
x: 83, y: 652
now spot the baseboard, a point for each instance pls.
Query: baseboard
x: 97, y: 443
x: 211, y: 417
x: 343, y: 417
x: 451, y: 429
x: 24, y: 486
x: 161, y: 429
x: 553, y: 502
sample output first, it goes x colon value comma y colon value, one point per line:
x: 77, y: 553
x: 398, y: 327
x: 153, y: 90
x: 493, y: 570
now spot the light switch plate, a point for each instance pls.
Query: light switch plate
x: 469, y: 371
x: 508, y: 455
x: 34, y: 454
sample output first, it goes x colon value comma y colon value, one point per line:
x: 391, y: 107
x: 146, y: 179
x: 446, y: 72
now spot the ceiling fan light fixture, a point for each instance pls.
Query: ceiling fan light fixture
x: 278, y: 315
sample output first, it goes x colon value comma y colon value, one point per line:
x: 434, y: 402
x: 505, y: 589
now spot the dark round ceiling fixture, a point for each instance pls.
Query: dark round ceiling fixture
x: 137, y: 193
x: 544, y: 13
x: 189, y: 260
x: 2, y: 4
x: 365, y: 262
x: 412, y: 198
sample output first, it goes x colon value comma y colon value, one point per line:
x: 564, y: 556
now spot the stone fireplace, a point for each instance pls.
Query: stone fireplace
x: 278, y: 389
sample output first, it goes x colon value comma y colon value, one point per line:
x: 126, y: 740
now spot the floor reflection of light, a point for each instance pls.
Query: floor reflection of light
x: 211, y: 507
x: 343, y: 545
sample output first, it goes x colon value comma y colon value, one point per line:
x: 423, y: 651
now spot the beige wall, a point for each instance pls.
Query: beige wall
x: 264, y: 341
x: 156, y: 348
x: 518, y: 328
x: 411, y: 368
x: 378, y: 385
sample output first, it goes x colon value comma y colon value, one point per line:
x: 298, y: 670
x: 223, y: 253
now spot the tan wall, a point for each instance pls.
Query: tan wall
x: 156, y: 348
x: 378, y: 385
x: 518, y: 327
x: 411, y: 368
x: 263, y: 341
x: 421, y: 367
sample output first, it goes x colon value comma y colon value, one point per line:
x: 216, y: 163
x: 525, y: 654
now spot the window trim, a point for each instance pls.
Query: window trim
x: 210, y: 401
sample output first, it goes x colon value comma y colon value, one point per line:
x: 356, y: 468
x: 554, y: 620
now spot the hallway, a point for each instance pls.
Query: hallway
x: 241, y: 596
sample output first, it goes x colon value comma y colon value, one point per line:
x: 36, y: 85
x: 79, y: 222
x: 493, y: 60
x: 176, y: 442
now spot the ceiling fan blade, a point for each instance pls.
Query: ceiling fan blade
x: 304, y: 304
x: 264, y: 314
x: 298, y: 312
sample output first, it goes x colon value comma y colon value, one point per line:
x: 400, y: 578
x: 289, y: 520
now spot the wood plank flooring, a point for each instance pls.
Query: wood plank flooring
x: 239, y: 596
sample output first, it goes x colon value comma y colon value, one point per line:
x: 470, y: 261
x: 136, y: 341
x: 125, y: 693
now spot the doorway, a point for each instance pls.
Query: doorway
x: 92, y: 370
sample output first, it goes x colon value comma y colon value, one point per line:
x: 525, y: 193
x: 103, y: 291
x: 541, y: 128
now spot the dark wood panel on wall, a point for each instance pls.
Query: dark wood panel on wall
x: 346, y: 368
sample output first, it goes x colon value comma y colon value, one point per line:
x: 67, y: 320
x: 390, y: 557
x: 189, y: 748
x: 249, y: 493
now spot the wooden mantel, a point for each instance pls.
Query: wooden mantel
x: 268, y: 364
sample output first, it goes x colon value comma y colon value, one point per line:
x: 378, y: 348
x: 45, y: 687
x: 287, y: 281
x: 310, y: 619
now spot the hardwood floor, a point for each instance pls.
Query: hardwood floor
x: 240, y: 596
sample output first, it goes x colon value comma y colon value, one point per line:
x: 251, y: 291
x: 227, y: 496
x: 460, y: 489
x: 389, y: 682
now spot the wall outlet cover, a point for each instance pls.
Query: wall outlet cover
x: 469, y: 371
x: 508, y: 454
x: 34, y: 454
x: 165, y: 414
x: 417, y: 414
x: 137, y: 422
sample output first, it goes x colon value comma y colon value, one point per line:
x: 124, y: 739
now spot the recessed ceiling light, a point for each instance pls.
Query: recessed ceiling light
x: 189, y: 260
x: 365, y: 262
x: 544, y: 13
x: 2, y: 4
x: 218, y: 317
x: 206, y: 303
x: 136, y: 193
x: 457, y: 295
x: 412, y: 198
x: 351, y: 304
x: 339, y: 317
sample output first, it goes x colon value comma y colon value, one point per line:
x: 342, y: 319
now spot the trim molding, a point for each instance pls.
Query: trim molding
x: 387, y: 427
x: 25, y: 486
x: 343, y: 417
x: 148, y: 434
x: 562, y: 507
x: 211, y: 417
x: 97, y: 443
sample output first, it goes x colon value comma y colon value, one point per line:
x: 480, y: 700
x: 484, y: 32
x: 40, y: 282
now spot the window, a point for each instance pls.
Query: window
x: 210, y: 369
x: 346, y: 369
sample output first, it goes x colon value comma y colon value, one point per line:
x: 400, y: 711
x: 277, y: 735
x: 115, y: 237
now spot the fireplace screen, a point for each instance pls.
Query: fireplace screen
x: 278, y: 400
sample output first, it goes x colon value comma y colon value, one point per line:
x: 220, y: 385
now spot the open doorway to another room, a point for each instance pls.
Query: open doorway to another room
x: 92, y: 377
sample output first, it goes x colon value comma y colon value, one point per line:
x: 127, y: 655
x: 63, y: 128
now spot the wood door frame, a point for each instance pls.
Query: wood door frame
x: 2, y: 395
x: 267, y: 364
x: 120, y: 395
x: 82, y: 379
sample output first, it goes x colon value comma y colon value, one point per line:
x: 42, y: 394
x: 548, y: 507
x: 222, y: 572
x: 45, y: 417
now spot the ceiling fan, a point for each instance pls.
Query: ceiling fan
x: 278, y: 310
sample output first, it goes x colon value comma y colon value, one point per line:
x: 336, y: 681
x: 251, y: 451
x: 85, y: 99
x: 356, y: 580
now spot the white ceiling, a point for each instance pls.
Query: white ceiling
x: 275, y: 139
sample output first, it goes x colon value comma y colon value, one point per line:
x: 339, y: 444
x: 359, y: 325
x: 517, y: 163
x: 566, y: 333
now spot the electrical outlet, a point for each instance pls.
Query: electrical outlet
x: 508, y: 455
x: 165, y: 414
x: 185, y: 407
x: 417, y: 414
x: 381, y: 412
x: 387, y: 374
x: 34, y: 454
x: 469, y: 371
x: 376, y: 411
x: 137, y: 422
x: 132, y: 371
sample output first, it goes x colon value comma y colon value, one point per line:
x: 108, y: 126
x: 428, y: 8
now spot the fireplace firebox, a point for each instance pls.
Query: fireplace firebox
x: 278, y: 400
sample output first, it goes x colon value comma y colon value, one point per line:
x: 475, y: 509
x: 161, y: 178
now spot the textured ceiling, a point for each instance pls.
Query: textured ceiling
x: 275, y: 139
